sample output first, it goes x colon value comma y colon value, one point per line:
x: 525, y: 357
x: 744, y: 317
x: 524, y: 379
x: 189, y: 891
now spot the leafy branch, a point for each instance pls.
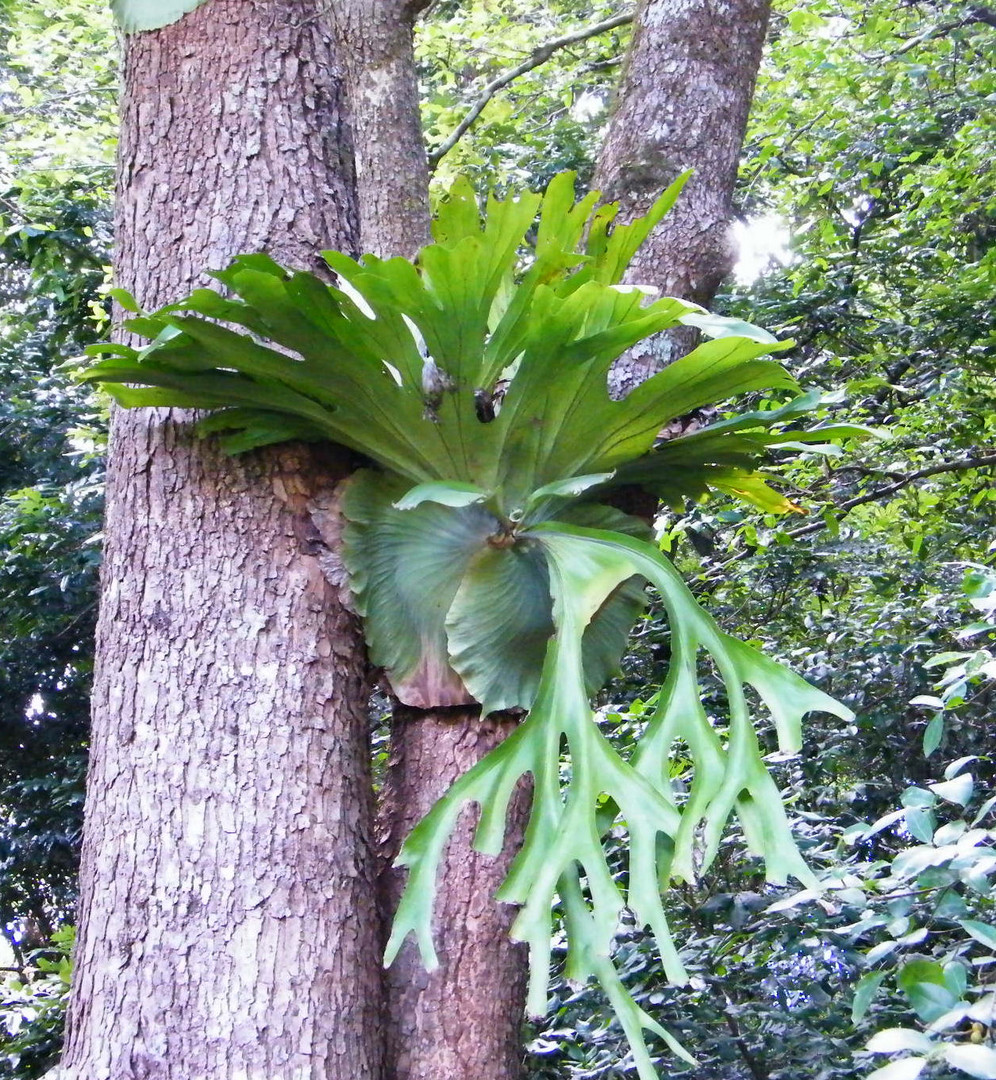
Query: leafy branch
x: 537, y: 57
x: 842, y: 509
x: 959, y: 465
x: 976, y: 13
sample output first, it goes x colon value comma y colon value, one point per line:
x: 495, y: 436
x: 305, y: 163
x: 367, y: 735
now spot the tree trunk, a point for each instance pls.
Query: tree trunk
x: 227, y: 912
x: 462, y: 1021
x: 682, y: 104
x: 482, y: 974
x: 392, y: 177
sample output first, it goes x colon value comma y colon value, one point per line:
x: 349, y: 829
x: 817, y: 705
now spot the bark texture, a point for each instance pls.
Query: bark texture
x: 392, y: 176
x: 228, y: 927
x: 462, y: 1021
x: 682, y: 104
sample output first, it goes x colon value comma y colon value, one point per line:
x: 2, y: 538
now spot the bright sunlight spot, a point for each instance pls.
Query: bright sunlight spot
x: 762, y: 242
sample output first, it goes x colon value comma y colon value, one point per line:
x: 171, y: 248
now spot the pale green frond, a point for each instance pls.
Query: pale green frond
x: 723, y: 456
x: 135, y: 15
x: 405, y: 567
x: 563, y: 841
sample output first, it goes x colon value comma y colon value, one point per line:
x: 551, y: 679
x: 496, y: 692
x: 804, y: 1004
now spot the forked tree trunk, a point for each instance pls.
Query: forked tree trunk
x: 462, y: 1021
x: 228, y: 929
x: 682, y: 104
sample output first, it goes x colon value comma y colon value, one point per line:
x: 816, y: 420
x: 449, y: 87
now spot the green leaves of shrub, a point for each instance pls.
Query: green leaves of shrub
x: 483, y: 550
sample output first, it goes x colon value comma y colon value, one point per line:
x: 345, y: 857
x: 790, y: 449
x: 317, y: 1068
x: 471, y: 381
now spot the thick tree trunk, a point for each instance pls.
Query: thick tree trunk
x: 463, y: 1020
x: 227, y: 926
x: 682, y: 104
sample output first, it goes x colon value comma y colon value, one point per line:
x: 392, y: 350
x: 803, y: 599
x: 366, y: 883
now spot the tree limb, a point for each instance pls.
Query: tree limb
x: 534, y: 60
x: 986, y: 461
x: 986, y: 15
x: 977, y: 13
x: 757, y: 1071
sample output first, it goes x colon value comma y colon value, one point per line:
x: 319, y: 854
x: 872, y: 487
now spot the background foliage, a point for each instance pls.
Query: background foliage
x: 868, y: 168
x: 56, y: 142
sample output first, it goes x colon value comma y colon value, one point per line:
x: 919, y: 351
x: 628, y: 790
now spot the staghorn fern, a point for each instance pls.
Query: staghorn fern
x: 482, y: 553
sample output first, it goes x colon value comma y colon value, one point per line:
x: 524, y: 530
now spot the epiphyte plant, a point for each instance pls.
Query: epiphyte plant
x: 483, y: 549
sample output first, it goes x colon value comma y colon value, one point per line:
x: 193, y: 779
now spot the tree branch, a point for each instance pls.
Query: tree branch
x: 976, y: 14
x: 534, y: 60
x: 961, y: 464
x: 986, y: 15
x: 986, y: 461
x: 757, y: 1071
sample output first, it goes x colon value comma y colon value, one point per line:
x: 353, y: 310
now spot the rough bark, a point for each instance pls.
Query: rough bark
x: 228, y: 929
x: 462, y: 1021
x: 682, y: 104
x: 392, y: 176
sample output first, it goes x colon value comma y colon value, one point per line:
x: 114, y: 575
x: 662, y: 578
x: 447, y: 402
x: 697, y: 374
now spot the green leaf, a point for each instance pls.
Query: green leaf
x: 125, y: 299
x: 607, y: 634
x: 933, y: 734
x: 982, y: 932
x: 572, y: 486
x: 956, y: 977
x: 977, y: 1061
x: 611, y: 252
x: 241, y: 429
x: 723, y: 455
x: 923, y: 983
x: 946, y: 658
x: 983, y: 810
x: 864, y: 993
x: 921, y: 823
x: 134, y: 15
x: 892, y: 1040
x: 720, y: 326
x: 453, y: 610
x: 714, y: 371
x: 955, y: 767
x: 908, y: 1068
x: 917, y: 796
x: 957, y: 790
